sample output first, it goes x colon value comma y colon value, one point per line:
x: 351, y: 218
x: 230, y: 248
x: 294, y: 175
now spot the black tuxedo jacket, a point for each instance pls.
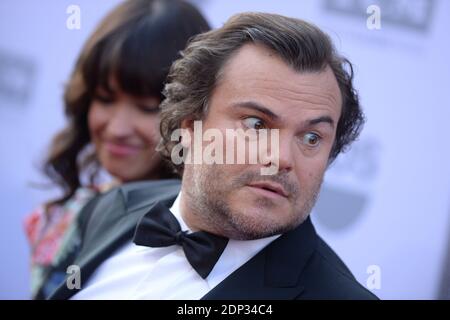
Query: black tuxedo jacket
x: 297, y: 265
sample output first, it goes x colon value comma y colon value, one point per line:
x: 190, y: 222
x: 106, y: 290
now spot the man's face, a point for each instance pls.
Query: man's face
x: 258, y: 90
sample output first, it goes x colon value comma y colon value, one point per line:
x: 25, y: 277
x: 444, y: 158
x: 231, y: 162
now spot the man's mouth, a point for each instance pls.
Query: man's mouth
x: 270, y: 187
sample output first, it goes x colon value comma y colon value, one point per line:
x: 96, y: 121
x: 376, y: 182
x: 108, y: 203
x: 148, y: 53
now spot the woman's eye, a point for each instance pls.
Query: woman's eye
x: 254, y: 123
x: 148, y: 109
x: 311, y: 139
x: 104, y: 99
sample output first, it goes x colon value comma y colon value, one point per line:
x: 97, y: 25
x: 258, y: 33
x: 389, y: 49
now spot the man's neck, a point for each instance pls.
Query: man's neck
x: 193, y: 216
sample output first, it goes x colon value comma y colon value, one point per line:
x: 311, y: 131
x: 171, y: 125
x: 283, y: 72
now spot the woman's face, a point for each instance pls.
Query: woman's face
x: 125, y: 132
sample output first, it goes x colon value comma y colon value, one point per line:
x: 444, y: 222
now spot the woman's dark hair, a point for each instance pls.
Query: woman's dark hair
x: 300, y: 44
x: 135, y: 44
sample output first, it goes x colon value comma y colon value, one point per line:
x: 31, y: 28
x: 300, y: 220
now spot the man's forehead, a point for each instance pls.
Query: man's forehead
x: 254, y: 70
x: 250, y: 59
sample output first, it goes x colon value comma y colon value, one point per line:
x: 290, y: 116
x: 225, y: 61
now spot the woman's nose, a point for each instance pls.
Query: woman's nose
x: 120, y: 124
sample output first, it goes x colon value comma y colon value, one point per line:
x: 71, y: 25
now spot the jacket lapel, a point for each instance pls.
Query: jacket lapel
x: 113, y: 222
x: 274, y: 272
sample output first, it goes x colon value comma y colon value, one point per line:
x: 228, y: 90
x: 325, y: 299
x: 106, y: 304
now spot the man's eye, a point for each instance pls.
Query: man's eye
x: 311, y: 139
x: 254, y: 123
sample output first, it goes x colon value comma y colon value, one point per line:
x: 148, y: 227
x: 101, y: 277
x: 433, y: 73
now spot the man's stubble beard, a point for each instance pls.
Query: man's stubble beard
x: 207, y: 195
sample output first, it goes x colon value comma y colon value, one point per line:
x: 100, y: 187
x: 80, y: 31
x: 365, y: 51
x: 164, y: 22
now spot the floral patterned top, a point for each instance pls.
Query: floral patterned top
x: 49, y: 233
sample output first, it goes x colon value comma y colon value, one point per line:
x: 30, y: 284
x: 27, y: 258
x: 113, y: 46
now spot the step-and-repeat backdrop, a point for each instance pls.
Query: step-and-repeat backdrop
x: 385, y: 204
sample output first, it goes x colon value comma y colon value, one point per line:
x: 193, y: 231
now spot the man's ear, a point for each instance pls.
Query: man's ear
x: 187, y: 123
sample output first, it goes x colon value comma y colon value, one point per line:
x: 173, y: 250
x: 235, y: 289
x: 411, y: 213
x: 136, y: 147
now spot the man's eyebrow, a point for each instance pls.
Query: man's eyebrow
x: 260, y: 108
x: 325, y: 119
x: 257, y: 107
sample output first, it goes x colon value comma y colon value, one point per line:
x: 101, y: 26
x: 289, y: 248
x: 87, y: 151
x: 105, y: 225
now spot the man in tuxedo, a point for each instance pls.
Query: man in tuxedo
x: 233, y: 230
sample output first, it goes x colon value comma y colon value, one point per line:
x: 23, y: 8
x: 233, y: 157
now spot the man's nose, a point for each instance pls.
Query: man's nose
x: 279, y: 155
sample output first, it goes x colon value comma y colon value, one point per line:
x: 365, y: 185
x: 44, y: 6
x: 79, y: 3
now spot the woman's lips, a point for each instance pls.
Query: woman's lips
x: 121, y: 150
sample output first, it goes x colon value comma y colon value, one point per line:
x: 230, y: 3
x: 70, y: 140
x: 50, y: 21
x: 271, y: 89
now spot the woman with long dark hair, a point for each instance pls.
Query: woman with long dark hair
x: 111, y: 104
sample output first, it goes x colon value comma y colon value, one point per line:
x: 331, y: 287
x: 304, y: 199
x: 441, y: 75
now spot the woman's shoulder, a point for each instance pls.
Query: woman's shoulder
x: 45, y: 225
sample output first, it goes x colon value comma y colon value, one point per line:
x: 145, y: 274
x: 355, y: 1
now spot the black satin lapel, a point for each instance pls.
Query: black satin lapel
x: 117, y: 214
x: 287, y: 257
x: 247, y: 283
x: 108, y: 229
x: 113, y: 223
x: 142, y: 194
x: 274, y: 273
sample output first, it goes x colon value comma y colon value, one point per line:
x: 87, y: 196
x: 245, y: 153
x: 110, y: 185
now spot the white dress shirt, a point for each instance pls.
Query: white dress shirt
x: 140, y: 272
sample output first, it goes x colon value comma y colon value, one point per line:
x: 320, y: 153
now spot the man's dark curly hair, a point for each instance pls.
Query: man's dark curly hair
x: 301, y: 45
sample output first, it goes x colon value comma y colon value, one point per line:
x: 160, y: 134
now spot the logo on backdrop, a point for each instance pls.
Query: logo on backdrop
x: 414, y: 15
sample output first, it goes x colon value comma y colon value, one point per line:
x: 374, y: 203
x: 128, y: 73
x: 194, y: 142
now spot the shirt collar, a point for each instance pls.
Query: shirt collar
x: 236, y: 253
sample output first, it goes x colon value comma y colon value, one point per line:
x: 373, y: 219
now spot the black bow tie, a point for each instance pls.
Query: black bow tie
x: 160, y: 228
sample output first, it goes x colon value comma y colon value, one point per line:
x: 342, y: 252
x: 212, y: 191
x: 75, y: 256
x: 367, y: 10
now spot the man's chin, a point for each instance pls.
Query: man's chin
x: 258, y: 204
x: 259, y: 220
